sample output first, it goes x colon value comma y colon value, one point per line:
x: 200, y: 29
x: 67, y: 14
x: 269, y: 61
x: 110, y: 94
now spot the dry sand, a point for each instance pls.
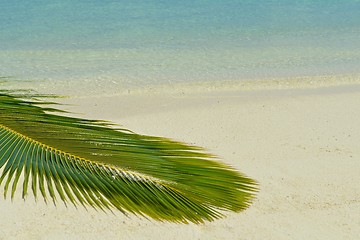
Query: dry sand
x: 301, y: 145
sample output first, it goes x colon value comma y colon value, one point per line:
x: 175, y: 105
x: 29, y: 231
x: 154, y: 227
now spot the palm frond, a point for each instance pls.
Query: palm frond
x: 94, y: 163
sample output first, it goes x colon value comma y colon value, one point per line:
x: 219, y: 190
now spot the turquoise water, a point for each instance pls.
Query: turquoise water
x: 136, y: 43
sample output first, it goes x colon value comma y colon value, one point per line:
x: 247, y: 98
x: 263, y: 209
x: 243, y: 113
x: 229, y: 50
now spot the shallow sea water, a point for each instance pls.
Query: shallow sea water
x: 109, y: 47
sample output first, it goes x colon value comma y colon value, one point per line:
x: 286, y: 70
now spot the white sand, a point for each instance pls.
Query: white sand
x: 302, y: 146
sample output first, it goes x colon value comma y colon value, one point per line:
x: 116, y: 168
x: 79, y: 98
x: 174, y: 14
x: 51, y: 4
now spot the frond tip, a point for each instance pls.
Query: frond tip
x: 89, y: 163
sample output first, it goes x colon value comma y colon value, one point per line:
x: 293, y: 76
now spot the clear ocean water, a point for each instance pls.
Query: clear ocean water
x: 119, y: 44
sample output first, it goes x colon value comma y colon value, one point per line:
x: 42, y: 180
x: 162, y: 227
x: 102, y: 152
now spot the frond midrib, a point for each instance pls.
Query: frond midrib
x: 78, y: 158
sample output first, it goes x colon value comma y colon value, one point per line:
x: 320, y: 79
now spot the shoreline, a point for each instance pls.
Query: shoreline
x: 91, y: 87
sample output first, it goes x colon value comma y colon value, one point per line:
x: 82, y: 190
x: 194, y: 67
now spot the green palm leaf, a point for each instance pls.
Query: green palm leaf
x: 94, y: 163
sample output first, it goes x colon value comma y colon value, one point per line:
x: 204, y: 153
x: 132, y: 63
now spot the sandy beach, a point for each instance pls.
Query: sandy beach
x: 301, y: 145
